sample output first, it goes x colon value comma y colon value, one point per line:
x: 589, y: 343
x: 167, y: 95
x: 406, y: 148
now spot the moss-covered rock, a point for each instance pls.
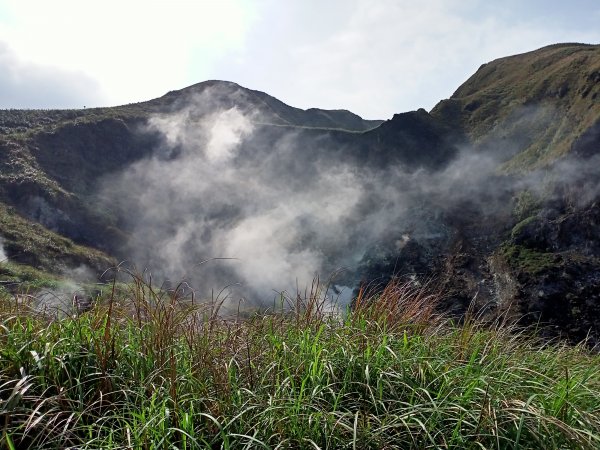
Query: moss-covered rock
x: 529, y: 260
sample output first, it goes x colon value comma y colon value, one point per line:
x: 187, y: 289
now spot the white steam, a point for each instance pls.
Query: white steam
x: 3, y: 256
x: 283, y: 204
x: 221, y: 192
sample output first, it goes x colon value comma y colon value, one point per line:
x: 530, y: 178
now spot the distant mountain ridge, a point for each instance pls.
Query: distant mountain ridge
x: 270, y: 108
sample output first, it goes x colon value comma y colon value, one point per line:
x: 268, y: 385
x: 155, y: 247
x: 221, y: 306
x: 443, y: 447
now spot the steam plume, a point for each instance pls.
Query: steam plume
x: 286, y: 204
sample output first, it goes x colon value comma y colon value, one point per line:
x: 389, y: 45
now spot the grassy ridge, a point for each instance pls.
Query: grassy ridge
x: 27, y: 242
x: 153, y: 369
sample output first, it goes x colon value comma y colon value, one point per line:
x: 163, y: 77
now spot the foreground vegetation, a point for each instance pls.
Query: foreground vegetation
x: 153, y: 369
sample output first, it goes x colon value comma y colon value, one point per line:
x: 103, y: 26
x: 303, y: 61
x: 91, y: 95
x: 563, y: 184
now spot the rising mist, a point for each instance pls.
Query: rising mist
x: 230, y: 200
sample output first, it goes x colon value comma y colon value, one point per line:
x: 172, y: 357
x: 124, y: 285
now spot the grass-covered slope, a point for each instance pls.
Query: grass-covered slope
x: 539, y: 105
x: 144, y: 371
x: 36, y: 259
x: 31, y: 244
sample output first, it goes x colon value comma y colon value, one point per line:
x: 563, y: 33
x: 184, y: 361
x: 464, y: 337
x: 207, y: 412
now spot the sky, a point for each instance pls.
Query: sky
x: 372, y: 57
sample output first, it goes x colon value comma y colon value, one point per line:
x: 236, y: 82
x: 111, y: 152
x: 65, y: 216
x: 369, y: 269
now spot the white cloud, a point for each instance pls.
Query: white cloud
x: 31, y: 85
x: 372, y: 57
x: 136, y: 49
x: 389, y: 56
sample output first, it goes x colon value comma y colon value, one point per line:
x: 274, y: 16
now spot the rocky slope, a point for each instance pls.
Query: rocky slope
x: 539, y: 115
x: 493, y: 194
x: 524, y: 242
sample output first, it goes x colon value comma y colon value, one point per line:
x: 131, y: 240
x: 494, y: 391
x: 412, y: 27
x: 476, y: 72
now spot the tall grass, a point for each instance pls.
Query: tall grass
x: 149, y: 368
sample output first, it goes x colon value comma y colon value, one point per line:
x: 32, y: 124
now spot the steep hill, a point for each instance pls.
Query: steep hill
x: 538, y: 105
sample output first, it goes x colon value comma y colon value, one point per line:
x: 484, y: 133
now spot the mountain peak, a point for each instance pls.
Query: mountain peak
x: 227, y: 94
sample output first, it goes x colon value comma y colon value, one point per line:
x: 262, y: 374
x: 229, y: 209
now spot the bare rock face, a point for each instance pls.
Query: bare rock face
x: 554, y: 255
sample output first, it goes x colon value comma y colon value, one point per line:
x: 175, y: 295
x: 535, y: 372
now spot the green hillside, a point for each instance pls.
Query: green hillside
x: 544, y: 103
